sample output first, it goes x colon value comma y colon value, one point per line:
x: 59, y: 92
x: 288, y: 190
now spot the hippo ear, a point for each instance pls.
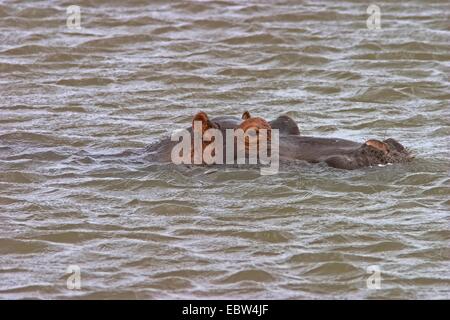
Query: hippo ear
x: 201, y: 117
x: 205, y: 122
x: 394, y: 144
x: 381, y: 146
x: 246, y: 115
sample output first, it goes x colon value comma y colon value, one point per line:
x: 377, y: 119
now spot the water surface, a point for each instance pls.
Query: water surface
x: 77, y: 106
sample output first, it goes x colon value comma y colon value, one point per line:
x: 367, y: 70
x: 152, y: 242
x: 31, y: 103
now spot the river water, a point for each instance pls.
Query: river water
x: 78, y: 105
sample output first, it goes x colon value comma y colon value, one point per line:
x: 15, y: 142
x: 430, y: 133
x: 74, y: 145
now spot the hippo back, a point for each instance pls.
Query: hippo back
x: 286, y: 125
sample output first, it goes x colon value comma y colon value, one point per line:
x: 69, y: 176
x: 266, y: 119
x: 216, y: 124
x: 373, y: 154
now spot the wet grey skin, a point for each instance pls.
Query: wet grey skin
x: 286, y: 125
x: 341, y: 153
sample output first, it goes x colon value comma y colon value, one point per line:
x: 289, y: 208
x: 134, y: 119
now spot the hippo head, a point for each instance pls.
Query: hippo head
x: 371, y: 153
x: 252, y: 126
x: 255, y: 123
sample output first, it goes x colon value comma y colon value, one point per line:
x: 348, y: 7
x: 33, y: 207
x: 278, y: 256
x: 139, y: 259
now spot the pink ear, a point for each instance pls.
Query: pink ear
x: 246, y: 115
x: 378, y: 145
x: 201, y: 116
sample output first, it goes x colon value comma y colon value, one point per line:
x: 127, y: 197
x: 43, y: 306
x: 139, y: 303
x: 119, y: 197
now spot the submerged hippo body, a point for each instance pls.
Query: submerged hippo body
x: 161, y: 151
x: 337, y: 153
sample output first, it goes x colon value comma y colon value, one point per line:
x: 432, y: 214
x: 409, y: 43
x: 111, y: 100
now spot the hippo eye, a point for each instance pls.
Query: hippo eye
x: 252, y: 132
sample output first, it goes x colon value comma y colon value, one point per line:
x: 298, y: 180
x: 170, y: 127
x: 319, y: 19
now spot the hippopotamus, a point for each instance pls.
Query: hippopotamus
x: 335, y: 152
x: 161, y: 150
